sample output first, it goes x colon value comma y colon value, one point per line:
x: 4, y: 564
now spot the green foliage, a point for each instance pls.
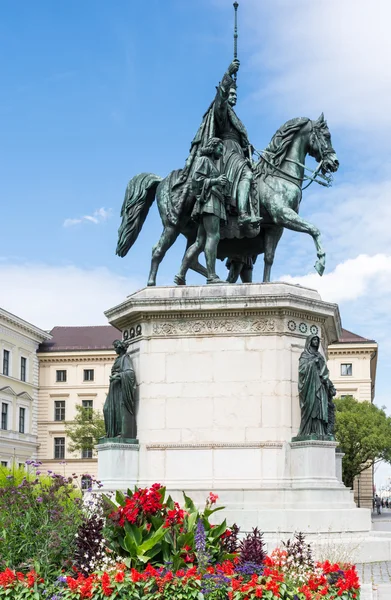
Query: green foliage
x: 39, y: 516
x: 363, y: 432
x: 86, y: 429
x: 146, y: 528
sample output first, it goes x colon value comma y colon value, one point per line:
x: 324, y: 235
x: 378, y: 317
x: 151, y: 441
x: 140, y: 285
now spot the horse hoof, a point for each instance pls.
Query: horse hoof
x: 215, y: 281
x: 179, y: 280
x: 319, y: 267
x: 151, y: 283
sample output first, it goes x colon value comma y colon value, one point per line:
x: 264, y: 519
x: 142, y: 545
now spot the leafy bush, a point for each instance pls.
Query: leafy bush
x: 146, y: 527
x: 252, y: 549
x: 39, y: 516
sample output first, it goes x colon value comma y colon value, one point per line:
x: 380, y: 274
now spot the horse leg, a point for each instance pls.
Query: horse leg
x: 167, y: 239
x: 234, y: 271
x: 272, y: 237
x: 290, y: 219
x: 246, y: 274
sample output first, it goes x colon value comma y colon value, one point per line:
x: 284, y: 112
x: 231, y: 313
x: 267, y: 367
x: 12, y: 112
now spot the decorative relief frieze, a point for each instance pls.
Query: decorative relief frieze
x: 303, y: 327
x: 210, y: 326
x: 213, y: 445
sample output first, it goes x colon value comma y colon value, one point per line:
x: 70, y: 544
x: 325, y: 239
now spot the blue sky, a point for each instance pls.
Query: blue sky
x: 95, y: 92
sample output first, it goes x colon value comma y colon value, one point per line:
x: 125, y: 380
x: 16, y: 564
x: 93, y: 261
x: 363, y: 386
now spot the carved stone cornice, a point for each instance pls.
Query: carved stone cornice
x: 248, y: 309
x: 351, y: 351
x: 101, y: 447
x: 213, y: 445
x: 313, y: 444
x: 54, y: 358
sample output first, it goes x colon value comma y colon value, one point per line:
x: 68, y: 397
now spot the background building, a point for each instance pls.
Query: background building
x: 19, y: 342
x: 74, y: 369
x: 352, y: 363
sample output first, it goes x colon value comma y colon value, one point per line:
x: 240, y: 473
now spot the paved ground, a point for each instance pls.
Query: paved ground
x: 376, y: 577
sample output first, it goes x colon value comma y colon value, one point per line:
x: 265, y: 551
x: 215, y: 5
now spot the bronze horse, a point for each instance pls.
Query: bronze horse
x: 276, y: 196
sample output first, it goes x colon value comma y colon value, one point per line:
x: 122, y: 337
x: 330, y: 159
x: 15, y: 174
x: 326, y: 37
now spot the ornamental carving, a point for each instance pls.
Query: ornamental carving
x: 210, y: 326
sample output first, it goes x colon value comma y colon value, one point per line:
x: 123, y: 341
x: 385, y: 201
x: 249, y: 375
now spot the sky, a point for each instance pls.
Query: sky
x: 95, y: 92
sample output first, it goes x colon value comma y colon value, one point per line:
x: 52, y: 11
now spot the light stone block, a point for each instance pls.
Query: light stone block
x: 152, y: 414
x: 237, y: 464
x: 152, y: 368
x: 236, y: 366
x: 228, y: 413
x: 181, y: 412
x: 313, y: 460
x: 118, y: 465
x: 189, y: 367
x: 185, y: 465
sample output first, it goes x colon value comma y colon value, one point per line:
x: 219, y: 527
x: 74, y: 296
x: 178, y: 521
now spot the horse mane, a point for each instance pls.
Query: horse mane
x: 279, y: 145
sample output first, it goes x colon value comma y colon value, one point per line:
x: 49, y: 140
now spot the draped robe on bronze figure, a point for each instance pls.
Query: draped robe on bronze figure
x: 315, y: 391
x: 119, y: 407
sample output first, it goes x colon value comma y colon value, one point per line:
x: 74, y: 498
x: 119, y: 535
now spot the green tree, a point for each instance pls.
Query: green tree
x: 85, y: 431
x: 363, y: 433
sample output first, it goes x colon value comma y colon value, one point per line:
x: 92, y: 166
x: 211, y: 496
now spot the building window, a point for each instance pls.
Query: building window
x: 61, y: 376
x: 4, y: 415
x: 346, y: 369
x: 59, y: 410
x: 87, y: 452
x: 6, y: 362
x: 23, y: 368
x: 86, y: 482
x: 88, y: 406
x: 59, y: 447
x: 4, y: 463
x: 88, y: 374
x: 22, y: 416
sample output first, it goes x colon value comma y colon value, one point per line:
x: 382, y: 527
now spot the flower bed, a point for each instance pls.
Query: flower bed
x: 146, y: 546
x: 219, y: 582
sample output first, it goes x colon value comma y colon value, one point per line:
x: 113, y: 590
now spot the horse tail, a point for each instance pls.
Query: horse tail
x: 139, y: 197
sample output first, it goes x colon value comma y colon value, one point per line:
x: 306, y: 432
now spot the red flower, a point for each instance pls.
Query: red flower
x: 7, y: 578
x: 174, y: 517
x: 105, y: 581
x: 212, y: 498
x: 143, y: 503
x: 31, y: 578
x: 119, y: 577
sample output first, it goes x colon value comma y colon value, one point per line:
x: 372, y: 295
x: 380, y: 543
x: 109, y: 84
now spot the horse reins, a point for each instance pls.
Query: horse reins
x: 328, y: 179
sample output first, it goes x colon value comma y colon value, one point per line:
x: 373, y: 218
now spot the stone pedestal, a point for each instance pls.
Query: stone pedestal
x: 118, y: 464
x: 218, y: 406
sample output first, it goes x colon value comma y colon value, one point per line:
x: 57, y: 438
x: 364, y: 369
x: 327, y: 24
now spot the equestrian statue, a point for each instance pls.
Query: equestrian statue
x: 224, y: 204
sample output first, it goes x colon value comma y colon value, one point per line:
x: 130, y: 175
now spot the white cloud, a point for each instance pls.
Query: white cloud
x: 98, y: 216
x: 330, y: 55
x: 71, y: 222
x: 47, y: 296
x: 362, y: 288
x: 351, y: 279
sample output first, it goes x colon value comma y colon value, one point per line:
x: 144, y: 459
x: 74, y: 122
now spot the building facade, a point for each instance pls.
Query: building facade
x: 352, y: 363
x: 19, y: 341
x: 74, y: 370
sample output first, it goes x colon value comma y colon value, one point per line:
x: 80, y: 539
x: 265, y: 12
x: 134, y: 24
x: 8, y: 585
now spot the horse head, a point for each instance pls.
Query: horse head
x: 320, y: 146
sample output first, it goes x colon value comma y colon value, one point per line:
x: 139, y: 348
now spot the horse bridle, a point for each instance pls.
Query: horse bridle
x: 324, y: 151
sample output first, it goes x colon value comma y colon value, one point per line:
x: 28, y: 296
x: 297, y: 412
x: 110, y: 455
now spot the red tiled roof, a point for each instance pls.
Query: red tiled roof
x: 348, y: 337
x: 95, y: 337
